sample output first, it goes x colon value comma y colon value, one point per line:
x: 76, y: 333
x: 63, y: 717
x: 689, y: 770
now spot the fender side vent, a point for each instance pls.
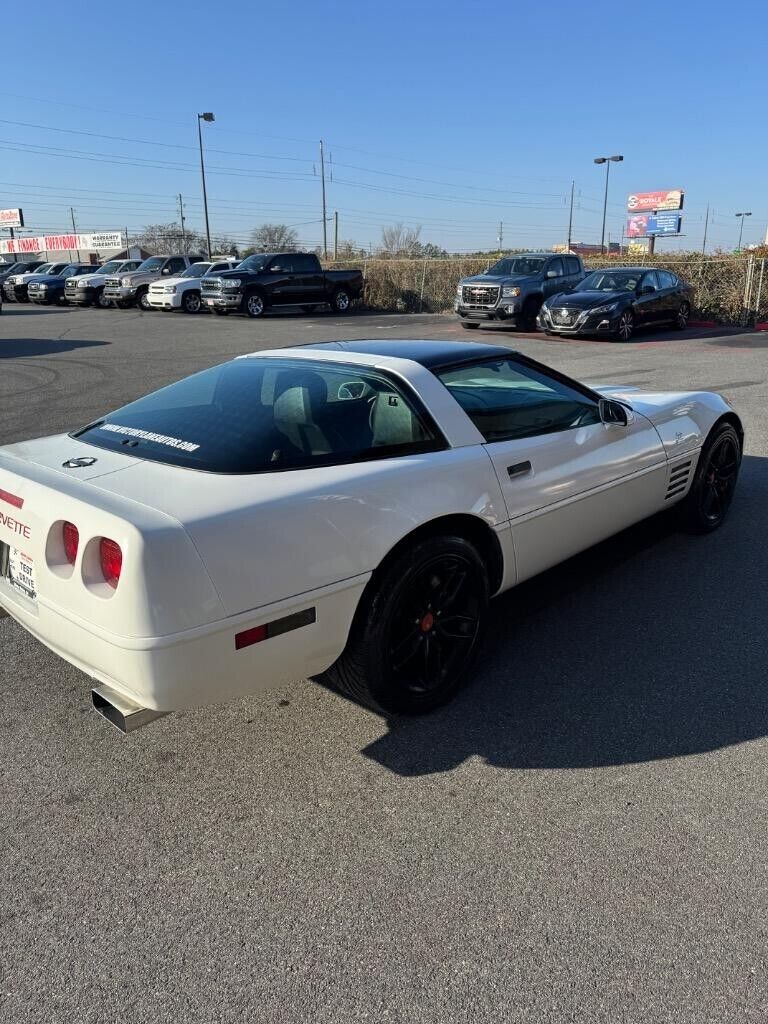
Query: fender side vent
x: 678, y: 479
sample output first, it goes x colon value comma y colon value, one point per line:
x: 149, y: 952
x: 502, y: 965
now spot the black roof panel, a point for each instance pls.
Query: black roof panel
x: 429, y: 353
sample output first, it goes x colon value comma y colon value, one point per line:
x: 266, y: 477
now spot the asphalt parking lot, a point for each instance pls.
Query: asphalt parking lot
x: 579, y: 837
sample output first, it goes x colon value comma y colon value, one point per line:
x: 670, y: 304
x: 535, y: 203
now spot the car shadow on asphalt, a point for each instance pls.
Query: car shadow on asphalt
x: 649, y: 646
x: 20, y: 348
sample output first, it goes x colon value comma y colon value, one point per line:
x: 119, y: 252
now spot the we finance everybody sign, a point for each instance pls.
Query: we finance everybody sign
x: 63, y: 243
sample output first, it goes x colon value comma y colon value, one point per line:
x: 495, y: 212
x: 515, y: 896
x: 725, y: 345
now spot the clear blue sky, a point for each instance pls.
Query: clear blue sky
x: 451, y: 115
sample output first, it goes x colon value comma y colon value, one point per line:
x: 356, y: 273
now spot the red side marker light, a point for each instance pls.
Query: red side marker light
x: 71, y: 540
x: 12, y: 499
x: 250, y: 636
x: 111, y: 557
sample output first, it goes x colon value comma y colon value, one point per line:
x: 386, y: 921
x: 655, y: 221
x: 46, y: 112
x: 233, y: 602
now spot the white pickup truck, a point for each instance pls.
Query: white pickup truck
x: 183, y: 291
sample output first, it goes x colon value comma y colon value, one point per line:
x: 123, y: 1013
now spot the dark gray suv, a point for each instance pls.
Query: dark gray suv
x: 514, y: 288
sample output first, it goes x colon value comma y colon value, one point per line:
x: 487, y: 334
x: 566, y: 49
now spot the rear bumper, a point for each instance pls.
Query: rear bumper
x: 202, y: 665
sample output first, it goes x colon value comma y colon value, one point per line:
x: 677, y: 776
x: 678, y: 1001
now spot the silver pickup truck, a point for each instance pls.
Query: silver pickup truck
x: 514, y: 288
x: 132, y: 289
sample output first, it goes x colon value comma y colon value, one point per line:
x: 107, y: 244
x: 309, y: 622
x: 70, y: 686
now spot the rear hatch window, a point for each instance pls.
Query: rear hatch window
x: 261, y: 415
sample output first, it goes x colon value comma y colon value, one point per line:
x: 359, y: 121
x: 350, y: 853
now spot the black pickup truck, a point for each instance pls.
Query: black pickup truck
x: 270, y: 279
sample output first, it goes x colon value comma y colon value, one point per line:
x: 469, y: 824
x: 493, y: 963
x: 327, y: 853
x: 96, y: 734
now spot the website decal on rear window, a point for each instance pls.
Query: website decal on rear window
x: 148, y: 435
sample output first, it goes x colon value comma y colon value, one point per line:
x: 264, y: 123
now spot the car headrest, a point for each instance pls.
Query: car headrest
x: 392, y: 422
x: 294, y: 405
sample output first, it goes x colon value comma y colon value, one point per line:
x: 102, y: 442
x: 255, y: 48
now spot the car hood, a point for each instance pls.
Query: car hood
x: 43, y: 278
x: 586, y: 300
x: 90, y: 278
x: 492, y: 279
x: 134, y: 278
x: 174, y: 280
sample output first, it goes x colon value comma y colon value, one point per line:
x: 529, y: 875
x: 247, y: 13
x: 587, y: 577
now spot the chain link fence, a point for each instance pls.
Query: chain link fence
x: 726, y: 289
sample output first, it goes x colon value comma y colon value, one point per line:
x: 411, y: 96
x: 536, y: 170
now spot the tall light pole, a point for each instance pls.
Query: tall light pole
x: 607, y: 160
x: 208, y: 116
x: 741, y: 217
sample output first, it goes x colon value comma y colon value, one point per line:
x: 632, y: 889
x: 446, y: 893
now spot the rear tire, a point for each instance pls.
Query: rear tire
x: 706, y: 505
x: 418, y: 629
x: 341, y: 302
x: 468, y: 326
x: 683, y: 316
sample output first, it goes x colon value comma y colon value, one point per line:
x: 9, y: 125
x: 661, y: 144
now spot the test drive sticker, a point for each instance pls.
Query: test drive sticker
x: 147, y: 435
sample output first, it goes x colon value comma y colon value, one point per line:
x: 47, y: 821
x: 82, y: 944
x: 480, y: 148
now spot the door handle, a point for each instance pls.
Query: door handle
x: 519, y: 469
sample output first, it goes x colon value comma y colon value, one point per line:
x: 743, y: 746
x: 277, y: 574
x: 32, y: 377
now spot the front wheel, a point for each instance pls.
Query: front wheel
x: 254, y: 306
x: 341, y: 301
x: 625, y: 327
x: 419, y: 629
x: 706, y: 505
x: 191, y: 302
x: 101, y: 301
x: 142, y: 301
x: 527, y: 318
x: 682, y: 317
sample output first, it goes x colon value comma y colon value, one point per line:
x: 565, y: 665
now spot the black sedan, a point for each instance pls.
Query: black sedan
x: 615, y: 303
x: 48, y: 289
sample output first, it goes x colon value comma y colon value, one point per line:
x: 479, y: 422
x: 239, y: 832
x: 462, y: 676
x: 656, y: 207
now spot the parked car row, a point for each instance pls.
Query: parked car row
x: 555, y: 293
x: 224, y: 285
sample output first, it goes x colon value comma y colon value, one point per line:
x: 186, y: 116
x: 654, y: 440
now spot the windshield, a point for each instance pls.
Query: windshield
x: 153, y: 263
x: 56, y: 268
x: 44, y: 269
x: 523, y: 265
x: 67, y: 268
x: 610, y: 281
x: 110, y: 268
x: 262, y: 415
x: 256, y: 262
x: 196, y: 270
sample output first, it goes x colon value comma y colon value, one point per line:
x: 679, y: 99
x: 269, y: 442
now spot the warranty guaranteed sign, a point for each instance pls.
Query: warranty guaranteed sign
x: 63, y: 243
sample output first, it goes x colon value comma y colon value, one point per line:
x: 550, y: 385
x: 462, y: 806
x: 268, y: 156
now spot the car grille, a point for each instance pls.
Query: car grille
x: 564, y: 317
x: 112, y: 282
x: 210, y: 286
x: 479, y: 295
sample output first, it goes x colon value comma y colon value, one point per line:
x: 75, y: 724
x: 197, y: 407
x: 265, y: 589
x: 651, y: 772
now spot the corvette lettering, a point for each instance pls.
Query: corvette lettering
x: 15, y: 525
x: 148, y: 435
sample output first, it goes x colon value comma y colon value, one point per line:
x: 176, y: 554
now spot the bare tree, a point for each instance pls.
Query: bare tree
x: 169, y: 238
x: 273, y: 238
x: 397, y: 240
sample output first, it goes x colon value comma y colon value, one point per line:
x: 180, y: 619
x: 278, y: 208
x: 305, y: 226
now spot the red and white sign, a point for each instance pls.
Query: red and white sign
x: 63, y: 243
x: 11, y: 218
x: 647, y: 202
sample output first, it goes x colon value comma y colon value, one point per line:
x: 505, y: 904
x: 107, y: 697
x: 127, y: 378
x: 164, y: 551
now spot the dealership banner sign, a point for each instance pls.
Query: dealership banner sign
x: 648, y: 202
x: 63, y: 243
x: 11, y: 218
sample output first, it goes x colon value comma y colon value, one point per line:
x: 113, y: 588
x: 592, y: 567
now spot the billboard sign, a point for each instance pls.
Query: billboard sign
x: 637, y: 225
x: 11, y: 218
x: 664, y: 224
x: 63, y: 243
x: 647, y: 202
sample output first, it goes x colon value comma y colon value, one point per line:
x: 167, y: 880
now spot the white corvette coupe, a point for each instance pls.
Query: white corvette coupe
x: 343, y: 509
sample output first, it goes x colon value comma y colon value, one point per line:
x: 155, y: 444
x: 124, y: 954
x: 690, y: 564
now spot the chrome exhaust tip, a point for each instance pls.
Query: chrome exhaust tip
x: 121, y: 712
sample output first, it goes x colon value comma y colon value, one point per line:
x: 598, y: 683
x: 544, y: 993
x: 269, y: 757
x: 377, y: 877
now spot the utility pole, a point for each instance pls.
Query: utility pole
x: 501, y: 236
x: 706, y: 225
x: 207, y: 116
x: 336, y: 234
x: 183, y: 229
x: 74, y: 230
x: 322, y: 179
x: 570, y: 217
x: 127, y: 256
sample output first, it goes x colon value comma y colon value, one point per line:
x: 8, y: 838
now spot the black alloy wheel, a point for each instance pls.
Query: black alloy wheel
x: 528, y: 315
x: 625, y: 327
x: 705, y: 507
x: 682, y: 316
x: 341, y: 301
x: 419, y: 631
x: 191, y: 302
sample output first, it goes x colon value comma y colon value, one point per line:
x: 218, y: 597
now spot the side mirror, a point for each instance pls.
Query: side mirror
x: 614, y: 413
x: 552, y: 273
x: 166, y: 270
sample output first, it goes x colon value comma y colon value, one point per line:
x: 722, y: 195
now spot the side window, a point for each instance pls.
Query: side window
x: 304, y: 263
x: 650, y: 280
x: 666, y: 279
x: 573, y: 265
x: 508, y: 400
x: 176, y: 265
x: 556, y: 266
x: 282, y: 265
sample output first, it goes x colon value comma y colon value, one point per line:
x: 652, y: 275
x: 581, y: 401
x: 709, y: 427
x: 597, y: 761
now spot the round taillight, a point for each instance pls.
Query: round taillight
x: 71, y: 539
x: 111, y: 560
